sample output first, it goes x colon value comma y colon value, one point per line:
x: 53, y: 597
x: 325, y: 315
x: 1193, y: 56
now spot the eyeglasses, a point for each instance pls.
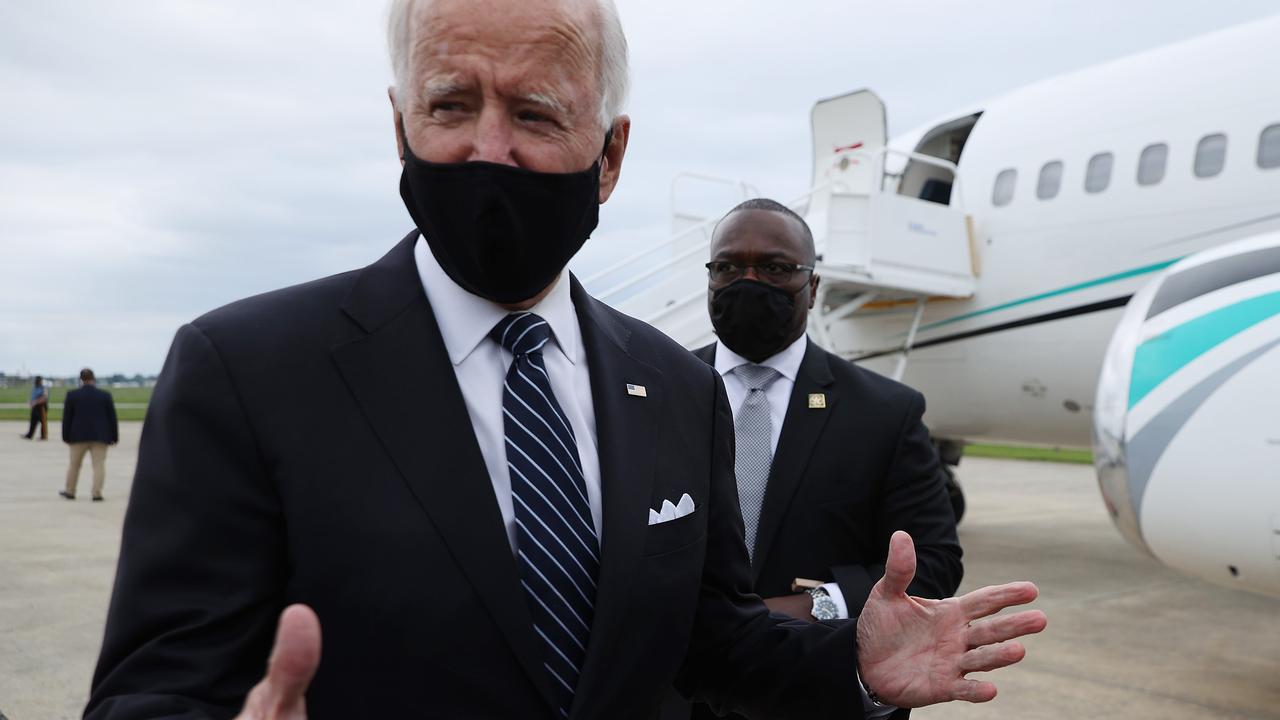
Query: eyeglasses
x: 773, y: 273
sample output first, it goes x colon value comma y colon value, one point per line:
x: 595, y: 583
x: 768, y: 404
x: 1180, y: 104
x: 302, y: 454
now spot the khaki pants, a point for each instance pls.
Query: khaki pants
x: 98, y: 451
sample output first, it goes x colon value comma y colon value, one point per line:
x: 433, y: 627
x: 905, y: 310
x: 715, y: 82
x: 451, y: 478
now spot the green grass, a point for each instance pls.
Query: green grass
x: 55, y: 415
x: 143, y: 395
x: 1014, y: 452
x: 121, y: 395
x: 58, y: 394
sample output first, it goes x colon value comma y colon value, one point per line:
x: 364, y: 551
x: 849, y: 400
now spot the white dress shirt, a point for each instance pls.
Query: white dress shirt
x: 481, y: 366
x: 787, y: 363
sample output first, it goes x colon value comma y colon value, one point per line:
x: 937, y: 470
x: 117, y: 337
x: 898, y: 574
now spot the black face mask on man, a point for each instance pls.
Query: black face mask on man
x: 500, y: 232
x: 754, y: 319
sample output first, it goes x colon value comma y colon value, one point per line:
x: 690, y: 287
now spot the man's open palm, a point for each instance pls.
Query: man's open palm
x: 914, y: 652
x: 282, y: 693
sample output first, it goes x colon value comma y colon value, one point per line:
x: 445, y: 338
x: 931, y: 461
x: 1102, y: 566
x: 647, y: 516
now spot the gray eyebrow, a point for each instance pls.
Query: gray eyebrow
x: 549, y: 101
x: 441, y: 85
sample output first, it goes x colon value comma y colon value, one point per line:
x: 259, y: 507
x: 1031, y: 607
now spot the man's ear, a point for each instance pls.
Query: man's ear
x: 398, y: 121
x: 611, y: 162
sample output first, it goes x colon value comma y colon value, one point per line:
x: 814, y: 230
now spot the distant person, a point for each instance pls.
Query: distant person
x: 39, y: 404
x: 831, y: 458
x: 88, y: 426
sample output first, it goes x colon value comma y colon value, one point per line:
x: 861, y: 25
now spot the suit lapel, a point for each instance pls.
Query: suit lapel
x: 801, y: 429
x: 627, y: 436
x: 438, y: 456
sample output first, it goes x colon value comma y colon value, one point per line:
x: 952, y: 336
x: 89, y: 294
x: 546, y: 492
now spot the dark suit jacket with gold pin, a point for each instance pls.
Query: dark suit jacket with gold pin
x: 312, y: 445
x: 854, y: 463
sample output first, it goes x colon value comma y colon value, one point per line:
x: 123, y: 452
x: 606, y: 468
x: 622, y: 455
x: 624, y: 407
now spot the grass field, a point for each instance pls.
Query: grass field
x: 1048, y: 454
x: 143, y: 395
x: 56, y: 395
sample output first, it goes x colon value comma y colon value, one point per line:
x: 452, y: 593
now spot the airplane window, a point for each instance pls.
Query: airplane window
x: 1151, y: 164
x: 1269, y: 147
x: 1098, y: 175
x: 1050, y: 180
x: 1211, y: 155
x: 1003, y: 192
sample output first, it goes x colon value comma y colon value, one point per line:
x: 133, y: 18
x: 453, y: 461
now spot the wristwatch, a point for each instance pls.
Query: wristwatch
x: 824, y: 608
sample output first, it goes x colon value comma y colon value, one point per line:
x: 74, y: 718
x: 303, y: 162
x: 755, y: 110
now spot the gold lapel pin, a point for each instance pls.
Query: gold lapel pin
x: 637, y: 390
x: 817, y: 401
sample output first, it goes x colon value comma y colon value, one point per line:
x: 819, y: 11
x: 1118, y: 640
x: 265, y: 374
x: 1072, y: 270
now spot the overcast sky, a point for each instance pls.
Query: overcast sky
x: 160, y: 158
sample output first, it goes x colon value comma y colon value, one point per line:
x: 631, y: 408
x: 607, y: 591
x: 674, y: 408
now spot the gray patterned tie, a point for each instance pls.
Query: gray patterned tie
x: 754, y: 435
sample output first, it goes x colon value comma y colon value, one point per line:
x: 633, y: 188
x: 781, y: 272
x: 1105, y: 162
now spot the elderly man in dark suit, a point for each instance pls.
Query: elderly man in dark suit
x: 831, y: 458
x: 542, y: 521
x: 88, y: 426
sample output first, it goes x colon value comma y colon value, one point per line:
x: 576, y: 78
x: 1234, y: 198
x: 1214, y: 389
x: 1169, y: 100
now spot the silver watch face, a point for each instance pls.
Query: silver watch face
x: 824, y: 608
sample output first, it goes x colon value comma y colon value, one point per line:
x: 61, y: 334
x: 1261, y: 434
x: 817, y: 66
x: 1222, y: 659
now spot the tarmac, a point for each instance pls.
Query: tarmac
x: 1126, y: 637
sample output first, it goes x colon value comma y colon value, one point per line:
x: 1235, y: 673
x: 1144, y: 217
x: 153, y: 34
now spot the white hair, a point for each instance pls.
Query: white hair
x: 613, y: 76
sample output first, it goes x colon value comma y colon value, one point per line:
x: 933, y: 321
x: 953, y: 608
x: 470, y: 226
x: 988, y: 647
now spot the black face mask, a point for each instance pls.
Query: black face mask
x: 501, y: 232
x: 753, y: 319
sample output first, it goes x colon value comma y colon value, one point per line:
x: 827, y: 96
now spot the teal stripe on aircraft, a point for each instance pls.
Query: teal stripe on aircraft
x: 1162, y: 356
x: 1054, y: 293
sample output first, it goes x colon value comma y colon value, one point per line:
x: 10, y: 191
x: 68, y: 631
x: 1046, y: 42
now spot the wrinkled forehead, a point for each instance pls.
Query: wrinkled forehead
x: 558, y: 40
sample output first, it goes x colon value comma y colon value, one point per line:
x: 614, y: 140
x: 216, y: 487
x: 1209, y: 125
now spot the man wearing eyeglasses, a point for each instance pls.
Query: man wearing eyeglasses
x: 831, y: 459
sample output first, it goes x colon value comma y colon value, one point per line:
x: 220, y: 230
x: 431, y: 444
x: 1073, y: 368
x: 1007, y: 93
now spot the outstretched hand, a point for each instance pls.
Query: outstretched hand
x: 282, y: 693
x: 914, y: 652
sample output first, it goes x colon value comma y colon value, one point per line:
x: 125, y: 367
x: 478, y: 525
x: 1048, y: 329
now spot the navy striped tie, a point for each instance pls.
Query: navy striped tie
x: 556, y: 546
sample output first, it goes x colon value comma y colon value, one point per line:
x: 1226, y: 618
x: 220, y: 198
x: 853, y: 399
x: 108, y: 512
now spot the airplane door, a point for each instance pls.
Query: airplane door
x: 852, y: 125
x: 848, y: 134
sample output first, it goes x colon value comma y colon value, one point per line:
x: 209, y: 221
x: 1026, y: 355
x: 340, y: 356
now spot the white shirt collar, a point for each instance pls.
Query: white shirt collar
x: 787, y: 361
x: 465, y: 319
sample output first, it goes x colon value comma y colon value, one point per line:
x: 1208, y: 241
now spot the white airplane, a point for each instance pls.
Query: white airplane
x: 1124, y: 217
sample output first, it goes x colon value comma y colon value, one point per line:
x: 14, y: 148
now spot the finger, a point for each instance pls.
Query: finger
x: 994, y: 598
x: 900, y: 567
x: 1005, y: 627
x: 992, y: 657
x: 294, y: 658
x: 974, y: 691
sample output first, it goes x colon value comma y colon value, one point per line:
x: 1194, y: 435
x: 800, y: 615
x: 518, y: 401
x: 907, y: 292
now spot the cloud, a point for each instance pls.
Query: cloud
x: 158, y: 159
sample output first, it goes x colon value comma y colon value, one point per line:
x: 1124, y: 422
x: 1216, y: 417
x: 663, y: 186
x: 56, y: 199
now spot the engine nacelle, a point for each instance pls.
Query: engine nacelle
x: 1187, y: 418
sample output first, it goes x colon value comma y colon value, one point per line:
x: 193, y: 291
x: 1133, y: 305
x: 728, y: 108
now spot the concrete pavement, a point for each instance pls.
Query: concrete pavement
x: 1126, y: 638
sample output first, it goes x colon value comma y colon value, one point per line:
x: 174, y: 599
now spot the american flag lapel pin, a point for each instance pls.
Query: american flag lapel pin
x: 637, y: 390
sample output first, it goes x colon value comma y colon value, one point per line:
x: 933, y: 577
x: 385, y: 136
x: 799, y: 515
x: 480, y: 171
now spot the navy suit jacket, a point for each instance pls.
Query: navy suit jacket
x: 312, y: 445
x: 89, y: 415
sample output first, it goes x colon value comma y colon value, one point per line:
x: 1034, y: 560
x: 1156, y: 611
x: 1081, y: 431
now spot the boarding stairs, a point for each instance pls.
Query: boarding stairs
x: 875, y: 243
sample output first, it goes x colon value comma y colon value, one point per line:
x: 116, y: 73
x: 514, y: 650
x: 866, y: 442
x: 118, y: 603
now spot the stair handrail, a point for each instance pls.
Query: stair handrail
x: 877, y: 158
x: 745, y: 189
x: 701, y: 247
x: 599, y: 274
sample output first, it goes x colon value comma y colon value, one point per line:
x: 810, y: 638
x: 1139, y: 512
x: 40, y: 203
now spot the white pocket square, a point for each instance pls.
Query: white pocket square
x: 671, y: 512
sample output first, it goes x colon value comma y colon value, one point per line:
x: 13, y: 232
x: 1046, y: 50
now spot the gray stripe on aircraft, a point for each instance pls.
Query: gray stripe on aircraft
x: 1148, y: 446
x: 1194, y: 282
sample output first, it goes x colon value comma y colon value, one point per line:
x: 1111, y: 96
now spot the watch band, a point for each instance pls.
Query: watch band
x: 824, y: 608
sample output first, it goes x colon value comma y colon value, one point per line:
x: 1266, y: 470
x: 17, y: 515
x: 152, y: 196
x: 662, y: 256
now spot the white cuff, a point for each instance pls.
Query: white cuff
x: 837, y: 597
